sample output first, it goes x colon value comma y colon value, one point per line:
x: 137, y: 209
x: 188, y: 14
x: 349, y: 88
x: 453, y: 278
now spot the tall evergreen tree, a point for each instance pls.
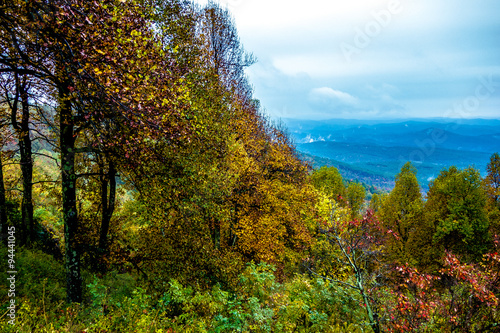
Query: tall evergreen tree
x: 492, y: 187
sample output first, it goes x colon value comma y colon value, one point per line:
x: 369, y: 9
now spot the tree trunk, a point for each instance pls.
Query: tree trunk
x: 108, y: 205
x: 23, y: 134
x: 372, y: 316
x: 216, y: 234
x: 26, y: 169
x: 3, y: 208
x: 104, y: 205
x: 70, y: 215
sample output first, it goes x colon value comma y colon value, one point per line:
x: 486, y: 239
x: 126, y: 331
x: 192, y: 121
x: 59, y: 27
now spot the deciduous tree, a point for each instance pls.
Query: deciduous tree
x: 356, y: 194
x: 456, y: 207
x: 87, y: 55
x: 329, y: 180
x: 402, y: 215
x: 359, y: 242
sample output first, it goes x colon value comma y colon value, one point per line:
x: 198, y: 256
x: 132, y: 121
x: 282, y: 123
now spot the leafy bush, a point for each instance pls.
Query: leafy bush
x: 39, y: 277
x: 114, y: 303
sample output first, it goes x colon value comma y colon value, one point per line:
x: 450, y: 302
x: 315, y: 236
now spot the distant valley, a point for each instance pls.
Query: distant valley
x: 374, y: 151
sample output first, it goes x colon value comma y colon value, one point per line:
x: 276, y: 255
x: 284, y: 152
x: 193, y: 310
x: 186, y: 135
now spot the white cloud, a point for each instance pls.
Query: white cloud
x: 423, y: 59
x: 329, y: 97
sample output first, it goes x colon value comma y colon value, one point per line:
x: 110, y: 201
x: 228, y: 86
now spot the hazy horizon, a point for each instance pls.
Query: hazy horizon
x: 370, y: 59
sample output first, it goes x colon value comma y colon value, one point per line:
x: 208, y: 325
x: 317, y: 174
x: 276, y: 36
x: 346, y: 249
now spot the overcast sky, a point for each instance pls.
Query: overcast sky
x: 361, y: 59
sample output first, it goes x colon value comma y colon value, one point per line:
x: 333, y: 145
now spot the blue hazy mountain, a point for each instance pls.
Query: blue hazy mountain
x: 382, y: 147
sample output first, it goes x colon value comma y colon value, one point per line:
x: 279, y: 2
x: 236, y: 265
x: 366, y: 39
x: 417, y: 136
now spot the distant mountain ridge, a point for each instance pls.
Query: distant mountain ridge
x: 382, y: 147
x: 463, y: 134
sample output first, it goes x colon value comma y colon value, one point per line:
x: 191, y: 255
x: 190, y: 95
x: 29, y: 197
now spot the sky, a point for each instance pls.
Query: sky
x: 372, y: 59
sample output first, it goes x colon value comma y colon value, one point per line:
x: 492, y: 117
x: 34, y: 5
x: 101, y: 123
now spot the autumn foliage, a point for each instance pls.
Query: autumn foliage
x: 151, y: 193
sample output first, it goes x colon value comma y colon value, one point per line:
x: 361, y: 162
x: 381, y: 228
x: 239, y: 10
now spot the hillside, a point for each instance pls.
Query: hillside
x: 144, y: 189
